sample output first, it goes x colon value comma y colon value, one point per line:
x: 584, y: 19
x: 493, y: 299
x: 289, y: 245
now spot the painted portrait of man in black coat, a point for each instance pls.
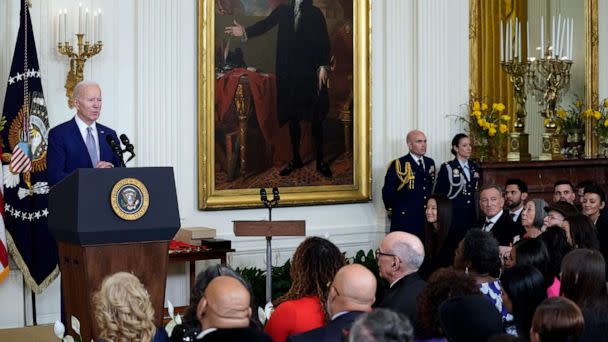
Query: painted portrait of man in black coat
x: 302, y: 61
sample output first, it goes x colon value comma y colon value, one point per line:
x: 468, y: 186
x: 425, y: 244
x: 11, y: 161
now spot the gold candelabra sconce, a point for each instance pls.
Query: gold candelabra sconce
x: 518, y: 138
x: 88, y: 44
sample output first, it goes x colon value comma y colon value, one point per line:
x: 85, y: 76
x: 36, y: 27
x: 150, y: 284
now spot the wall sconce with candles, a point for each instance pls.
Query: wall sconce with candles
x: 88, y: 40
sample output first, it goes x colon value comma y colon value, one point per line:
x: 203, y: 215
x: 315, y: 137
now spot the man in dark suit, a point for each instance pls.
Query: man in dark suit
x: 80, y: 142
x: 224, y: 312
x: 497, y: 221
x: 399, y: 258
x: 516, y: 193
x: 407, y: 184
x: 351, y: 293
x: 302, y: 59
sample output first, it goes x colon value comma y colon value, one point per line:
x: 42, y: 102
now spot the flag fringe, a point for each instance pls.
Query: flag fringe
x: 27, y: 277
x: 4, y: 273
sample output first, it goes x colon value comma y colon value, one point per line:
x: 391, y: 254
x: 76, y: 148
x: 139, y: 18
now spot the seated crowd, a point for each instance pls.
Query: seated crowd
x: 539, y: 275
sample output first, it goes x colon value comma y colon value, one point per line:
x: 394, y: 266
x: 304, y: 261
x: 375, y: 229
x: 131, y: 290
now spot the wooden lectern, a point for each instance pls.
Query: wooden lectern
x: 94, y: 241
x: 269, y: 229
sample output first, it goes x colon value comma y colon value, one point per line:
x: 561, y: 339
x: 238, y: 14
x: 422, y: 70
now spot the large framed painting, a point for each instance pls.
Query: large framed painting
x: 283, y: 101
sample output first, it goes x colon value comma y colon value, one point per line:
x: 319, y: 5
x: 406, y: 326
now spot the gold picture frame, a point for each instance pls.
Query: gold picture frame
x: 221, y: 153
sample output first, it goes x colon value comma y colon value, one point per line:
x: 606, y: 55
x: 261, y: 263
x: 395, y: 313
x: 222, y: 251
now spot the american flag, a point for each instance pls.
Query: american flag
x: 21, y: 160
x: 3, y: 252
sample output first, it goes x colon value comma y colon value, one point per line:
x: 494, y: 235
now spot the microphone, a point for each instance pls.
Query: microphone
x: 263, y: 196
x: 275, y: 194
x: 115, y: 146
x: 128, y: 146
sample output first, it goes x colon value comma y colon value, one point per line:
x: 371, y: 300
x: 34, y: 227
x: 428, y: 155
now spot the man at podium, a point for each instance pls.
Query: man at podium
x: 80, y: 142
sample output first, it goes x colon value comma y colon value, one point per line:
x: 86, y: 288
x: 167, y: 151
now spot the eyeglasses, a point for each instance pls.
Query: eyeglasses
x: 379, y: 254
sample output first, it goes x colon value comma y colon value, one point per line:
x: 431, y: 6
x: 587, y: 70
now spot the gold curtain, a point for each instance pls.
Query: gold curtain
x: 488, y: 81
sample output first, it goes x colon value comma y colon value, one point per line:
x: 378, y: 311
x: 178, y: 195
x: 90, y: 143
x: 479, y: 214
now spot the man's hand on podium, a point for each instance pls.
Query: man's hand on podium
x: 104, y: 165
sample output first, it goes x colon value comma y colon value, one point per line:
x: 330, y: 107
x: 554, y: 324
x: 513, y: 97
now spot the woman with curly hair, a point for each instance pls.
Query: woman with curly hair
x: 444, y: 284
x: 124, y: 312
x: 313, y: 267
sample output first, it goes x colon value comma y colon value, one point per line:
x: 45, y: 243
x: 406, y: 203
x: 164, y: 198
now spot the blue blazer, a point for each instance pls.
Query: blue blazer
x: 67, y: 151
x: 335, y: 330
x: 406, y: 202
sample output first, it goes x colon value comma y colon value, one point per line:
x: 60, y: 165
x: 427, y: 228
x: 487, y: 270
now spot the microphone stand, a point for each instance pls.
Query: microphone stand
x: 269, y: 204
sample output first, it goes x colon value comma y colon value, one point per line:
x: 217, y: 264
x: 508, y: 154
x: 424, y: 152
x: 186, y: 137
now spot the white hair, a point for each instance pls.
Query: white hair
x: 80, y: 86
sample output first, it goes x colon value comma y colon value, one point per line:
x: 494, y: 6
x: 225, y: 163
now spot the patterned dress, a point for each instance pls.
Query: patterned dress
x: 493, y: 291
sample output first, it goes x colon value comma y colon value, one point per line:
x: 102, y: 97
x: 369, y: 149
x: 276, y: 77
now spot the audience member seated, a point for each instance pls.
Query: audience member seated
x: 469, y: 318
x: 351, y: 293
x: 313, y: 265
x: 557, y: 213
x: 191, y: 327
x: 381, y: 325
x: 557, y: 319
x: 582, y: 232
x: 532, y: 217
x: 557, y: 246
x: 444, y: 284
x: 533, y: 252
x: 523, y: 289
x: 516, y: 193
x: 497, y: 220
x: 583, y: 281
x: 399, y: 258
x: 440, y: 238
x: 224, y: 312
x: 594, y: 201
x: 477, y: 254
x: 580, y: 190
x: 124, y: 312
x: 563, y: 190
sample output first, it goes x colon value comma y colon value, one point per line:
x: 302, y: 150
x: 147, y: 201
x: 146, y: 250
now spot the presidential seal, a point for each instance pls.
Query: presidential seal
x: 129, y: 199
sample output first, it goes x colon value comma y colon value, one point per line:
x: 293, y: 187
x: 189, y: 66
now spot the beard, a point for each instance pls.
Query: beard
x: 512, y: 204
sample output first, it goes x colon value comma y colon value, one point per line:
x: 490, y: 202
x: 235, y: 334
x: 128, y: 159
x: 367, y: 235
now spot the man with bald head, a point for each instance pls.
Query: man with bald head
x: 399, y: 257
x: 224, y: 312
x: 352, y: 292
x: 80, y: 142
x: 407, y: 184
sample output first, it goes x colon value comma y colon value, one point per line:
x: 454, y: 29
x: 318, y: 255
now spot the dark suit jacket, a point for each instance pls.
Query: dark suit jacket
x: 406, y: 205
x: 67, y: 150
x: 299, y: 54
x: 403, y: 298
x: 332, y: 331
x: 505, y: 229
x: 237, y: 334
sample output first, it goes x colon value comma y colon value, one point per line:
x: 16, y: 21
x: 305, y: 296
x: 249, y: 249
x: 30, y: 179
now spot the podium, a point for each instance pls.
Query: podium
x: 111, y: 220
x: 269, y: 229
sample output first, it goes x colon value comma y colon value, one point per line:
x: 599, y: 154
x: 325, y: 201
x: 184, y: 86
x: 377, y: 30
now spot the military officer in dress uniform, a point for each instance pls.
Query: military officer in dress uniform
x: 458, y: 179
x: 407, y: 184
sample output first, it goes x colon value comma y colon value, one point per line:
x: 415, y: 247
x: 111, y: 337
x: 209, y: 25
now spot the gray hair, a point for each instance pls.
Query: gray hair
x: 80, y: 86
x: 381, y: 325
x: 539, y: 211
x: 408, y: 254
x: 497, y: 187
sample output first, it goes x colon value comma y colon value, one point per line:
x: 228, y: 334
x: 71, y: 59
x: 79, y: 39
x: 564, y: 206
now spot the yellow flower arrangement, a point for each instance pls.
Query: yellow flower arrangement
x: 571, y: 119
x: 601, y: 116
x: 489, y: 122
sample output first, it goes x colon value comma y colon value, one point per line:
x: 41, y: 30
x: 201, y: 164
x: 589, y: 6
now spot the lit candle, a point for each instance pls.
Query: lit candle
x: 65, y: 25
x: 560, y: 51
x: 59, y: 28
x: 542, y: 38
x: 518, y: 40
x: 80, y: 19
x: 94, y: 27
x: 86, y: 25
x: 502, y: 48
x: 552, y: 34
x: 571, y: 39
x: 528, y: 54
x: 557, y: 46
x: 99, y: 25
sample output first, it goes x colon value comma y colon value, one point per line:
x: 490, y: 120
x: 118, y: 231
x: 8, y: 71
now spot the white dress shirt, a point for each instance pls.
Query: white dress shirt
x: 82, y: 127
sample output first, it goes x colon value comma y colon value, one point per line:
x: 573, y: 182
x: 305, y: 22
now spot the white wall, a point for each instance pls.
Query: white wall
x: 147, y: 71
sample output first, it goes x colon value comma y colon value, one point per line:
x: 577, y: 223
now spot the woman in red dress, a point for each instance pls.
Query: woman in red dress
x: 302, y: 308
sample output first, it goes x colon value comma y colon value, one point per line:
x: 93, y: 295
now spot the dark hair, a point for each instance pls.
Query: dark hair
x: 481, y: 250
x: 505, y: 338
x: 444, y: 284
x: 596, y: 189
x: 525, y: 286
x: 456, y: 140
x: 585, y: 183
x: 434, y: 239
x: 556, y: 241
x: 533, y: 252
x: 584, y: 278
x: 558, y: 319
x: 521, y: 185
x: 381, y: 325
x: 582, y: 232
x: 313, y: 265
x: 191, y: 324
x: 563, y: 182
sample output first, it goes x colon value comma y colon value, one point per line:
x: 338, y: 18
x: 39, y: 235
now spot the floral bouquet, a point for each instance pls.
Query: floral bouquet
x: 487, y: 126
x: 601, y: 117
x: 571, y: 119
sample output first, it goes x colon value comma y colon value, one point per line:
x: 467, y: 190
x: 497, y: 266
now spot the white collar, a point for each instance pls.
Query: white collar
x: 339, y: 314
x: 82, y: 126
x: 205, y: 332
x: 495, y: 217
x: 517, y: 212
x: 462, y: 163
x: 416, y: 158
